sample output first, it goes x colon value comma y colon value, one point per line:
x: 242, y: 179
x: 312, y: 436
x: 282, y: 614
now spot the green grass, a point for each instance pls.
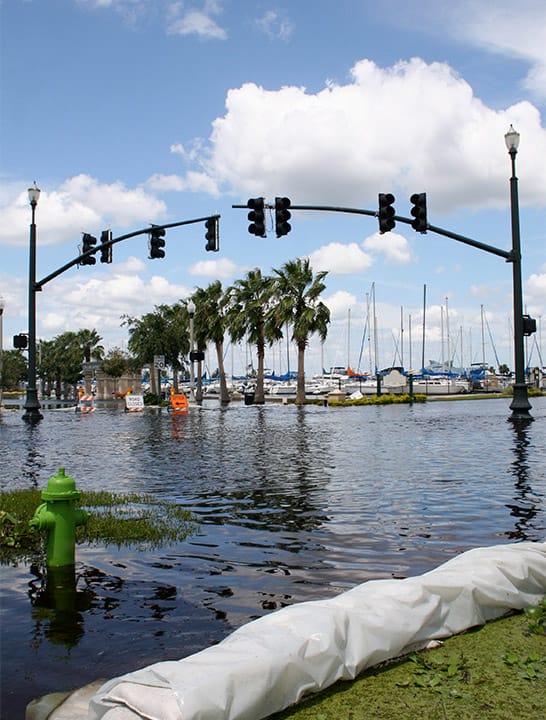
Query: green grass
x: 386, y: 399
x: 497, y: 672
x: 127, y: 519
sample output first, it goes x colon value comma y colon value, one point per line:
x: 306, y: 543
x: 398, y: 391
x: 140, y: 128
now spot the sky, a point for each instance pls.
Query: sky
x: 133, y: 112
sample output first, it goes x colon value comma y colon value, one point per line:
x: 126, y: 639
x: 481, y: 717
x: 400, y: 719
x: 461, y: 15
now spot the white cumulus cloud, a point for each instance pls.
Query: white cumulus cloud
x: 345, y: 141
x: 340, y: 259
x: 394, y: 247
x: 222, y: 269
x: 78, y: 204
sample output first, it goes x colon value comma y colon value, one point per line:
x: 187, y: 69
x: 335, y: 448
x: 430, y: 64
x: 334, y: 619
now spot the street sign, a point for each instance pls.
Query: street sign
x: 159, y: 362
x: 134, y: 403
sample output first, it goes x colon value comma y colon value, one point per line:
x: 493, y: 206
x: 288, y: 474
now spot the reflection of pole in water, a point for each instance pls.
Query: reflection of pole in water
x: 526, y: 502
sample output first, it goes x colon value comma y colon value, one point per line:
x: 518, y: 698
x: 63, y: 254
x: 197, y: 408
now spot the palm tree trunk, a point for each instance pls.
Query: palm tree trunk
x: 224, y: 394
x: 199, y: 391
x: 259, y: 396
x: 300, y: 392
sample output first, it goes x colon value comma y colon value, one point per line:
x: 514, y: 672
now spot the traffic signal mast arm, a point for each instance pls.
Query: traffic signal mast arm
x: 506, y: 254
x: 78, y: 261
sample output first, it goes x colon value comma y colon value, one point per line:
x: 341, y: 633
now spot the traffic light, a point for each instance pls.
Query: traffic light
x: 88, y: 242
x: 529, y: 325
x: 157, y: 242
x: 212, y: 235
x: 419, y: 212
x: 256, y: 216
x: 20, y: 341
x: 106, y: 252
x: 282, y: 216
x: 386, y: 212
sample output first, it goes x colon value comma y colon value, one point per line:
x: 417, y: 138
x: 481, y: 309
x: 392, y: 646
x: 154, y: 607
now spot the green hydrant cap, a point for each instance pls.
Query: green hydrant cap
x: 61, y: 487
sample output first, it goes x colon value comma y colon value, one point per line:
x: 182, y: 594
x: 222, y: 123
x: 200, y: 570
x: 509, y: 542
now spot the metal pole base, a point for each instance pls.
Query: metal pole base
x: 520, y: 404
x: 32, y: 412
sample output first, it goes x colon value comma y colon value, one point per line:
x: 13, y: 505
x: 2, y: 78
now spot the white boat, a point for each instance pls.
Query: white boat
x: 438, y: 386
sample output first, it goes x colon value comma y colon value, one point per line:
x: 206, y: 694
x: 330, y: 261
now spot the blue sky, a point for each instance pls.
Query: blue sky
x: 131, y: 112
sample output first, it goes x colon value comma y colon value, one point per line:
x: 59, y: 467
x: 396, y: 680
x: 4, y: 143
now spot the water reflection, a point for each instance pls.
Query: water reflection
x: 293, y: 504
x: 527, y: 502
x: 57, y: 605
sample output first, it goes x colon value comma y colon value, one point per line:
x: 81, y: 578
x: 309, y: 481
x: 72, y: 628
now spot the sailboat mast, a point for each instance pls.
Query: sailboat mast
x: 424, y: 326
x: 442, y: 358
x: 348, y: 338
x: 483, y: 338
x: 374, y: 329
x: 409, y: 329
x: 369, y: 334
x: 401, y: 336
x: 447, y: 336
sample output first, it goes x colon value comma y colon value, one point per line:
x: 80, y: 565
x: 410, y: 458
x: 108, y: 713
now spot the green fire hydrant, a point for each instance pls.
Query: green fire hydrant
x: 59, y: 517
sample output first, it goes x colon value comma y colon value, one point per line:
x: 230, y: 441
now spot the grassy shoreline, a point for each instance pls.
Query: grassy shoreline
x: 495, y: 672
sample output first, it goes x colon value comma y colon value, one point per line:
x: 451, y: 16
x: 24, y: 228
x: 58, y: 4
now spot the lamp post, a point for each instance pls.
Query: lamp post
x: 191, y: 312
x: 520, y: 404
x: 1, y: 349
x: 32, y: 406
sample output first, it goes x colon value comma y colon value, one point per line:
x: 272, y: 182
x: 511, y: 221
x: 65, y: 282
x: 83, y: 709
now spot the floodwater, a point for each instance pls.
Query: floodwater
x: 293, y: 504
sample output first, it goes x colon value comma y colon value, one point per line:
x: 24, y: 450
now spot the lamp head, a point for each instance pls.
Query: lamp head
x: 512, y: 139
x: 191, y: 308
x: 34, y: 194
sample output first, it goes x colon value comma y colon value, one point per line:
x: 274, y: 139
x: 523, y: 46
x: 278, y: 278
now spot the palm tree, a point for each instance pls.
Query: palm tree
x: 67, y: 358
x: 249, y: 302
x: 210, y: 325
x: 146, y: 340
x: 89, y: 341
x: 298, y: 304
x: 162, y: 332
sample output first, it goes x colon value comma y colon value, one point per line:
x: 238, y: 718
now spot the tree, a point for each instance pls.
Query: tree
x: 298, y: 305
x: 14, y: 369
x: 249, y: 303
x: 66, y: 358
x: 89, y: 342
x: 163, y: 332
x: 115, y: 363
x: 210, y: 326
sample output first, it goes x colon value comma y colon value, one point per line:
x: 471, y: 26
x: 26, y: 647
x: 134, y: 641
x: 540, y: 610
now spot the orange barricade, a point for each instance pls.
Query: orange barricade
x: 86, y: 404
x: 179, y: 403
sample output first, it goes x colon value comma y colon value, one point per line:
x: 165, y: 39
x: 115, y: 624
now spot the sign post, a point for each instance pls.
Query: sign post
x: 159, y: 365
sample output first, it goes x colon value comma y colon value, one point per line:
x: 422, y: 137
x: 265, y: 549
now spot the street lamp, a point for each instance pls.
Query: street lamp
x: 191, y: 313
x: 520, y: 405
x: 32, y: 406
x: 1, y: 348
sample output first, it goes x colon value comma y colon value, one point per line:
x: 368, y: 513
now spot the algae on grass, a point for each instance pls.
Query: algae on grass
x: 118, y: 519
x: 495, y: 672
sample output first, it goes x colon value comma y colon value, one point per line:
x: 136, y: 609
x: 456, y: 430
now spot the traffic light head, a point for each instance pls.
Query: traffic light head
x: 419, y: 212
x: 256, y: 216
x: 529, y: 325
x: 212, y: 236
x: 20, y: 341
x: 282, y: 216
x: 106, y: 252
x: 88, y: 243
x: 386, y: 212
x: 157, y: 243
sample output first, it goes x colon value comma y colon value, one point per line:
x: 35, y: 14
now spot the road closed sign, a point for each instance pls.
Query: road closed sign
x: 134, y: 403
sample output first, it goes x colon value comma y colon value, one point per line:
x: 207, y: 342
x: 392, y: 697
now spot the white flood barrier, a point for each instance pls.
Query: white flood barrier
x: 273, y: 662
